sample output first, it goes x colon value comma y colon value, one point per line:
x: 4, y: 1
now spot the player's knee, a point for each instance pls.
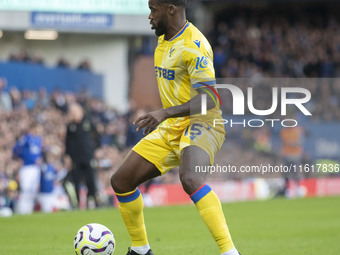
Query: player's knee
x: 190, y: 183
x: 115, y: 184
x: 120, y: 184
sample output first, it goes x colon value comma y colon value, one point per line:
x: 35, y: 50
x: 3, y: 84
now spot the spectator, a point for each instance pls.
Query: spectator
x: 15, y: 98
x: 132, y: 135
x: 59, y: 101
x: 85, y: 65
x: 5, y: 209
x: 292, y: 152
x: 63, y: 63
x: 43, y: 99
x: 5, y: 99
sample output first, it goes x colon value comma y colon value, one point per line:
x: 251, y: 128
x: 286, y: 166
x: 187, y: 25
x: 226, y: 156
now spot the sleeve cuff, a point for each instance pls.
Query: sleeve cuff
x: 203, y: 84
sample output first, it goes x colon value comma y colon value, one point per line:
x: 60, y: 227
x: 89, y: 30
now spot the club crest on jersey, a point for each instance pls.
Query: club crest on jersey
x: 171, y: 51
x: 201, y: 63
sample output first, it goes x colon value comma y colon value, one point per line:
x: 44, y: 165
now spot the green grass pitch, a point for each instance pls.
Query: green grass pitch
x: 287, y: 227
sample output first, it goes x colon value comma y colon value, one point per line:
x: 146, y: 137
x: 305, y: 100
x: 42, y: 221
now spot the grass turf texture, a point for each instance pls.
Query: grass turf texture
x: 288, y: 227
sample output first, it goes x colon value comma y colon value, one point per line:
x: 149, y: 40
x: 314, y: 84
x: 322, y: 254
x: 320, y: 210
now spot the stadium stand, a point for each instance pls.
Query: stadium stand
x: 299, y: 40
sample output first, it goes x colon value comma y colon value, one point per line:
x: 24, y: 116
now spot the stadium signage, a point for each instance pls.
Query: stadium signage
x: 71, y: 20
x: 124, y: 7
x: 239, y: 105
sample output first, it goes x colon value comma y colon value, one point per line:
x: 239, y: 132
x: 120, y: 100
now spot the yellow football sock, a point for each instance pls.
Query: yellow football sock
x: 131, y: 209
x: 210, y: 209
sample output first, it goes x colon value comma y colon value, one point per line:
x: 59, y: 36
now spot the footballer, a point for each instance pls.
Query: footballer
x: 178, y: 135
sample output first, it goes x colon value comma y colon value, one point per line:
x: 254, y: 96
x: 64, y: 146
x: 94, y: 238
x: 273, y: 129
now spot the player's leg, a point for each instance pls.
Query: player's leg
x: 77, y: 179
x: 47, y: 202
x: 93, y: 199
x: 69, y: 184
x: 134, y: 171
x: 206, y: 201
x: 29, y: 179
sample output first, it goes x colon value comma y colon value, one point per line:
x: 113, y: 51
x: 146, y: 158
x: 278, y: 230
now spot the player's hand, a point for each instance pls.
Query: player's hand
x: 150, y: 121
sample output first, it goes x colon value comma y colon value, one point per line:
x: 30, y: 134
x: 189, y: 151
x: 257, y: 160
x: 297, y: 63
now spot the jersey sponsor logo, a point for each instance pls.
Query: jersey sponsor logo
x: 165, y: 73
x: 171, y: 51
x: 201, y: 63
x: 198, y: 43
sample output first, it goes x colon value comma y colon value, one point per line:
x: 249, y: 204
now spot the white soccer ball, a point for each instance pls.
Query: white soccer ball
x: 94, y: 239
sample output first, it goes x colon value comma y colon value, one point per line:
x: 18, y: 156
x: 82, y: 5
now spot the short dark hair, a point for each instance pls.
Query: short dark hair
x: 180, y: 3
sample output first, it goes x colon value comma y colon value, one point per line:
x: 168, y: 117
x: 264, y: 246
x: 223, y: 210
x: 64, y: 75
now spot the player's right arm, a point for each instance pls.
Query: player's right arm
x: 151, y: 120
x: 18, y: 147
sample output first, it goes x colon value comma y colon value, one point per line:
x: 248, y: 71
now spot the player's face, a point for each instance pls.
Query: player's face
x: 158, y: 18
x: 37, y: 130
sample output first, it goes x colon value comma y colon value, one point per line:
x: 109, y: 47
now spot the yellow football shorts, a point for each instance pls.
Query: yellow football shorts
x: 163, y: 146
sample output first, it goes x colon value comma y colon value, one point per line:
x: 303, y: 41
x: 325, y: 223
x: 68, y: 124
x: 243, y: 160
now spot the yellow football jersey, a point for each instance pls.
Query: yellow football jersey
x: 182, y: 65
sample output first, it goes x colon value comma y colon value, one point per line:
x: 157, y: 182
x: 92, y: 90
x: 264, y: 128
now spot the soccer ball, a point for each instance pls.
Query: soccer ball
x: 94, y: 239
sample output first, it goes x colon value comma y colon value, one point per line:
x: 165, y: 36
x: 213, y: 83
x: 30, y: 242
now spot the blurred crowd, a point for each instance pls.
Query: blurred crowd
x: 253, y: 45
x: 324, y: 102
x: 271, y: 43
x: 36, y: 58
x: 19, y: 109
